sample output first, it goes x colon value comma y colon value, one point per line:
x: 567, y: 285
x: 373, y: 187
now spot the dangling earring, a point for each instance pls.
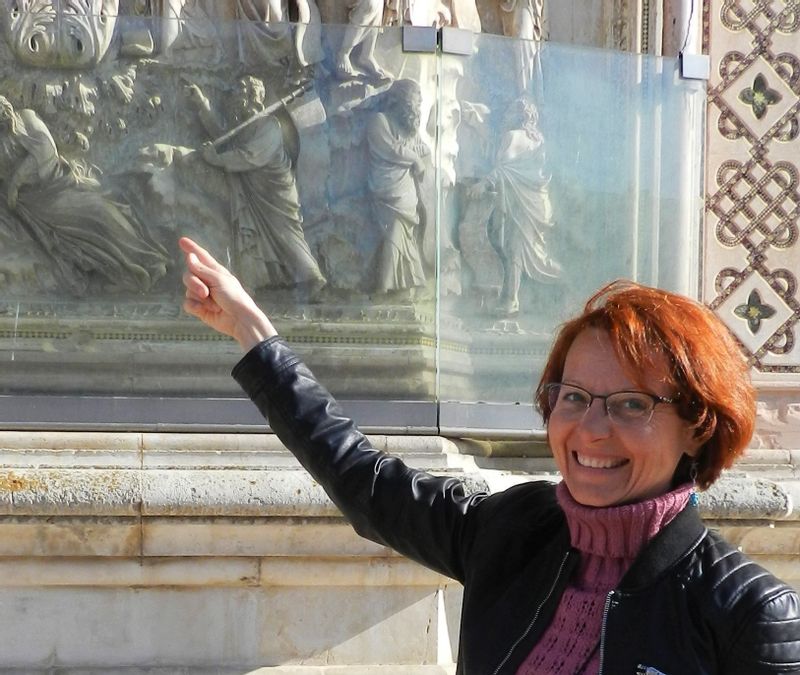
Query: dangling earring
x: 693, y: 500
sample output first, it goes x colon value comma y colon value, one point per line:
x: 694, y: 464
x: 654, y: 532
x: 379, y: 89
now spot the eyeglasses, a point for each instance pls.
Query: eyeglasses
x: 622, y: 407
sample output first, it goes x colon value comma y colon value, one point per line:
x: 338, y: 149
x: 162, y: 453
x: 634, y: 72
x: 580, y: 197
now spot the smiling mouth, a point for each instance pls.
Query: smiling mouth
x: 597, y: 463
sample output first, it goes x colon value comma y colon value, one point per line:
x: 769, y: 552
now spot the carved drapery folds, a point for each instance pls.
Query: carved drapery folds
x: 62, y: 33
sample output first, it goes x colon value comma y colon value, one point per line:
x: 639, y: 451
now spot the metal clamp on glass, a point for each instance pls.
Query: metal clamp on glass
x: 694, y: 66
x: 457, y: 41
x: 419, y: 39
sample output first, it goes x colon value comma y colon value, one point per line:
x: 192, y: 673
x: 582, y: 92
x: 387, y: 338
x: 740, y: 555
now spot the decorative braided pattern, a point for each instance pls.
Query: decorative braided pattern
x: 753, y: 189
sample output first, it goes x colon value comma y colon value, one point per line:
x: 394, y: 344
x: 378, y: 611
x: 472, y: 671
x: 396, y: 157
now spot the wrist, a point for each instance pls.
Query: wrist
x: 253, y: 329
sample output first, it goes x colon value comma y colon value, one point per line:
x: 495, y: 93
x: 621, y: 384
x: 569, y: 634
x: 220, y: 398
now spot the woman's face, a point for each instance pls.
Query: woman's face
x: 605, y: 463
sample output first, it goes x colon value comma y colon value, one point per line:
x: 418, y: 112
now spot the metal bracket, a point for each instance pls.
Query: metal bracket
x: 457, y: 41
x: 419, y: 39
x: 427, y: 39
x: 694, y: 66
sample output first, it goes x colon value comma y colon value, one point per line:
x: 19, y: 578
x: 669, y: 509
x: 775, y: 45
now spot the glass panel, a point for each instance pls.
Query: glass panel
x: 386, y: 203
x: 562, y: 168
x: 324, y: 206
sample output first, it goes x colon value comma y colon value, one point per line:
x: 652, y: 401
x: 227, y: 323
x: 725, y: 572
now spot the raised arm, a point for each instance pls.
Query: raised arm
x: 422, y: 516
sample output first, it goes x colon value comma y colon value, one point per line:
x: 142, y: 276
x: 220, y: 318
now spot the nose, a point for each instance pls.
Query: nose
x: 595, y: 420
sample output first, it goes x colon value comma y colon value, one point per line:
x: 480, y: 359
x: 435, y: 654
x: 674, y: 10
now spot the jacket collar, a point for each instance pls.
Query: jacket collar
x: 670, y: 545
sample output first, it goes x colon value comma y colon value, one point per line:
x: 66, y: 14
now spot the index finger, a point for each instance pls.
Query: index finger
x: 190, y: 246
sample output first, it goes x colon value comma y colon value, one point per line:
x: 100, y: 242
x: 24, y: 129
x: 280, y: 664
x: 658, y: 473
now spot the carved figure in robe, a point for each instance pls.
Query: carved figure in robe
x: 436, y: 13
x: 259, y: 159
x: 136, y: 38
x: 522, y: 19
x: 396, y: 164
x: 360, y: 37
x: 79, y: 228
x: 268, y: 31
x: 196, y: 28
x: 464, y: 14
x: 522, y: 216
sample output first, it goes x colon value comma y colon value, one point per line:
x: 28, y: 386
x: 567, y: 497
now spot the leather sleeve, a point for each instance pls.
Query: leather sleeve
x: 769, y: 641
x: 424, y: 517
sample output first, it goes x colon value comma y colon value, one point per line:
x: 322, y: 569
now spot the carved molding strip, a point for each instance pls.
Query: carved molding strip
x: 63, y: 33
x: 753, y: 188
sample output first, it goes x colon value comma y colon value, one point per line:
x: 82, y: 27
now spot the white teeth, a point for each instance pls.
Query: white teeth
x: 597, y: 463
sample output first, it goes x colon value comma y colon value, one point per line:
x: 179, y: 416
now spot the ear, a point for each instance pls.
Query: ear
x: 695, y: 439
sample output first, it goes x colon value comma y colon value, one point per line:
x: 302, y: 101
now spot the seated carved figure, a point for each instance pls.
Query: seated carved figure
x: 80, y: 230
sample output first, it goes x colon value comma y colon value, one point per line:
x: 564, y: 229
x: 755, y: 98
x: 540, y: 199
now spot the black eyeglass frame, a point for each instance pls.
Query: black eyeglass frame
x: 550, y: 386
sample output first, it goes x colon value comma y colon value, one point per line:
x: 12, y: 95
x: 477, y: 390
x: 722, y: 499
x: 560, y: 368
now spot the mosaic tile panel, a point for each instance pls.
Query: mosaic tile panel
x: 752, y: 259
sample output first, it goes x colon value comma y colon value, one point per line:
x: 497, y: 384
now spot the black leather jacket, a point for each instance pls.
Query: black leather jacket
x: 689, y: 604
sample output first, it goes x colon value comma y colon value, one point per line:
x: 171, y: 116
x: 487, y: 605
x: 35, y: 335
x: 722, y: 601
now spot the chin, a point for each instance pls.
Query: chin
x: 594, y: 497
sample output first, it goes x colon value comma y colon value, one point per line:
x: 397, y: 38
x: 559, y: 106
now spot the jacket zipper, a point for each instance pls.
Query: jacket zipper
x: 606, y: 609
x: 535, y: 616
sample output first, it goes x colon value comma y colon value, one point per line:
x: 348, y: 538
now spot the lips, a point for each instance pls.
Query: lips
x: 597, y: 462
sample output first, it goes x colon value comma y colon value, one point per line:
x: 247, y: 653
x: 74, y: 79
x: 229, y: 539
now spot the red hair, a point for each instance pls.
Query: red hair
x: 648, y: 327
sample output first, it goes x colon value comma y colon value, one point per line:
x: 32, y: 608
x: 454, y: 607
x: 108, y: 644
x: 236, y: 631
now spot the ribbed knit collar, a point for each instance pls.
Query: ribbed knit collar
x: 619, y: 531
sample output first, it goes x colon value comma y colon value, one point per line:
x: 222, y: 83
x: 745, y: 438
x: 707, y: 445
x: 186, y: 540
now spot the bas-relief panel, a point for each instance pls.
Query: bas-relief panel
x: 115, y: 140
x: 753, y: 179
x: 304, y: 156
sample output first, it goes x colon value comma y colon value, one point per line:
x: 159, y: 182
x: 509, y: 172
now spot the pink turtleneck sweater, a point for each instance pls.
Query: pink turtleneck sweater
x: 609, y: 540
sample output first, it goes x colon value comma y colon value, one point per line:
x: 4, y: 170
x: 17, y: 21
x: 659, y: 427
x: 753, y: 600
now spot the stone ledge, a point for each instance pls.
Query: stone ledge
x: 189, y: 475
x: 218, y: 573
x: 111, y: 450
x: 76, y: 536
x: 173, y: 492
x: 355, y: 670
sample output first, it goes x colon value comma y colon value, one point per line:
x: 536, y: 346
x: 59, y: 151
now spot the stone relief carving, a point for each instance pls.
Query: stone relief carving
x: 138, y: 38
x: 284, y: 194
x: 464, y: 14
x: 522, y: 19
x: 62, y: 208
x: 259, y: 156
x: 325, y: 188
x: 397, y: 163
x: 511, y: 208
x: 356, y: 54
x: 268, y: 37
x: 308, y: 34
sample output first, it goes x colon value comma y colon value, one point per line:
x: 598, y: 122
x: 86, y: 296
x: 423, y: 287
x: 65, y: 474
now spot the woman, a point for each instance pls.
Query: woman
x: 611, y: 571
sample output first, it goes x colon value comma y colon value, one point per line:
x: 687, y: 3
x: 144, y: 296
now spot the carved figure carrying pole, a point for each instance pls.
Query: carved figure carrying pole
x: 266, y: 112
x: 260, y: 166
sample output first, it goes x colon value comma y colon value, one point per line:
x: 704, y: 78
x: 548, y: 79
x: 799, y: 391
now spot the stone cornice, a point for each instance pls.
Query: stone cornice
x: 236, y: 510
x: 76, y: 474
